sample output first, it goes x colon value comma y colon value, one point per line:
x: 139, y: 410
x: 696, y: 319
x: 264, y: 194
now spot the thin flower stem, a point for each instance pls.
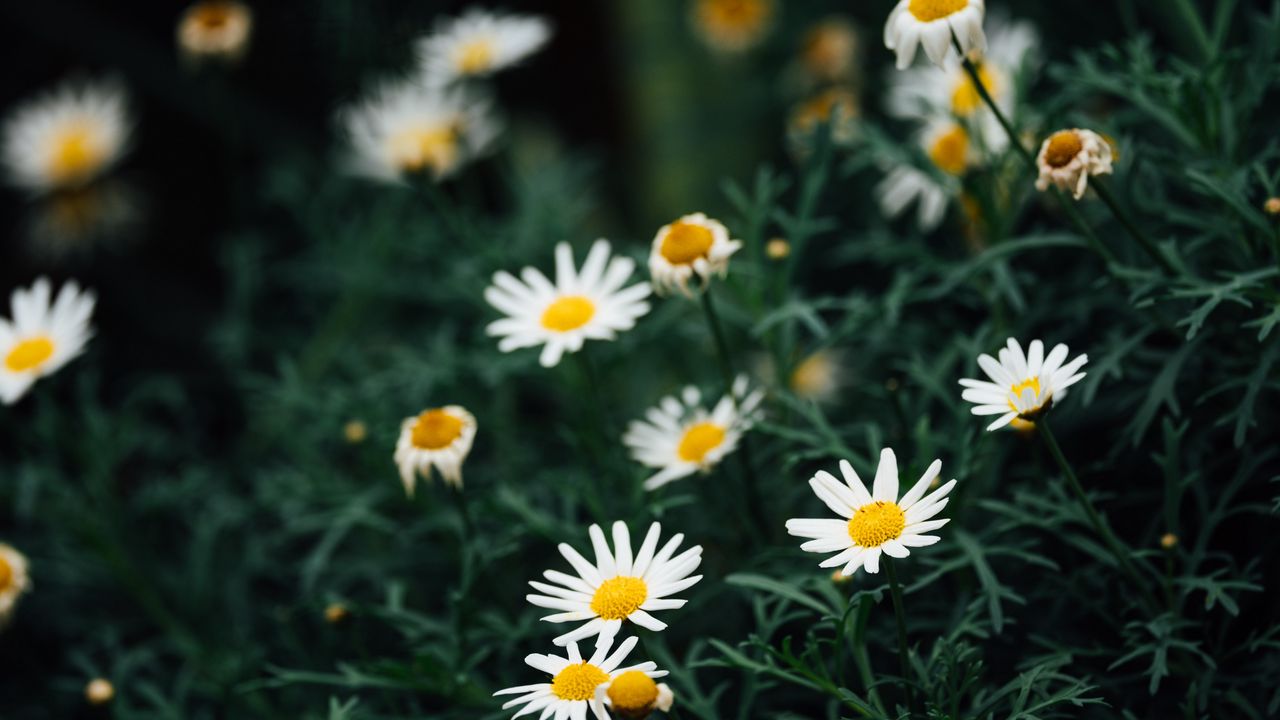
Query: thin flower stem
x: 1105, y: 193
x: 1199, y: 35
x: 895, y: 589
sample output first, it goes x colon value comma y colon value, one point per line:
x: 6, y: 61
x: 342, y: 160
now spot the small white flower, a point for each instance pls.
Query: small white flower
x: 617, y: 586
x: 1022, y: 386
x: 437, y: 438
x: 679, y: 437
x: 933, y: 23
x: 732, y: 26
x: 1069, y: 157
x: 14, y: 581
x: 633, y: 695
x: 66, y: 137
x: 693, y: 246
x: 946, y: 144
x: 41, y: 337
x: 215, y: 29
x: 872, y: 522
x: 479, y: 43
x: 571, y: 693
x: 589, y: 304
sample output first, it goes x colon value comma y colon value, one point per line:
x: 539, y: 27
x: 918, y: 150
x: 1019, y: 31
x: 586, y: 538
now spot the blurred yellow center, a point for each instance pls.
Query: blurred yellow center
x: 212, y: 15
x: 1032, y: 383
x: 1063, y: 147
x: 568, y: 313
x: 425, y: 147
x: 436, y: 429
x: 75, y: 155
x: 6, y: 574
x: 618, y: 597
x: 950, y: 151
x: 29, y: 354
x: 686, y: 242
x: 966, y: 99
x: 578, y: 682
x: 930, y: 10
x: 876, y: 523
x: 699, y: 440
x: 812, y: 377
x: 476, y: 57
x: 633, y: 692
x: 735, y: 14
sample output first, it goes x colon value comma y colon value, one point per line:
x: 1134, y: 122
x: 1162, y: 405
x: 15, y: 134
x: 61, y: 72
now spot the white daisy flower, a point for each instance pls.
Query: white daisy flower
x: 41, y: 336
x: 574, y: 682
x: 66, y: 137
x: 873, y: 522
x: 946, y: 144
x: 618, y: 586
x: 437, y: 438
x: 215, y: 29
x: 1022, y: 385
x: 732, y: 26
x: 479, y: 43
x: 1068, y: 158
x: 14, y: 581
x: 634, y: 695
x: 694, y: 245
x: 933, y: 23
x: 680, y: 437
x: 404, y: 128
x: 588, y: 304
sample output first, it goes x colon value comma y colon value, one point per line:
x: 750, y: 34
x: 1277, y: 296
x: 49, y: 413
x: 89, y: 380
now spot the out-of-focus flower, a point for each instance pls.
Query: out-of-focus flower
x: 215, y: 29
x: 13, y: 581
x: 1068, y: 158
x: 828, y: 51
x: 1022, y: 385
x: 695, y: 246
x: 355, y: 431
x: 818, y: 377
x: 633, y: 695
x: 732, y: 25
x: 41, y: 336
x: 837, y: 106
x: 777, y: 248
x: 99, y: 691
x: 479, y: 43
x: 336, y: 613
x: 437, y: 438
x: 571, y: 693
x: 1168, y: 541
x: 933, y: 24
x: 1272, y: 206
x: 67, y: 137
x: 71, y: 221
x: 946, y: 144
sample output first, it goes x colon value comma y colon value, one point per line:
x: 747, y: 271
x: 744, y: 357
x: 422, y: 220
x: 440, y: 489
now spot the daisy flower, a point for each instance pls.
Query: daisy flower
x: 479, y: 43
x: 1022, y: 385
x: 872, y: 522
x: 933, y: 24
x: 947, y: 145
x: 694, y: 245
x: 679, y: 437
x: 634, y: 695
x: 41, y: 337
x: 13, y: 580
x: 838, y: 106
x: 588, y: 304
x: 1069, y: 157
x: 215, y: 29
x: 437, y: 438
x: 618, y: 586
x: 572, y: 690
x: 829, y: 49
x: 66, y: 137
x: 732, y: 25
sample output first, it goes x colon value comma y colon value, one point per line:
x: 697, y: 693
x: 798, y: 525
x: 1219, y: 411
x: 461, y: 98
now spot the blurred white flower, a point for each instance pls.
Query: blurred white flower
x: 571, y: 693
x: 1022, y: 385
x: 437, y: 438
x: 479, y: 43
x: 1068, y: 158
x: 695, y: 246
x: 215, y: 29
x: 66, y: 137
x: 13, y: 581
x: 933, y: 24
x: 41, y: 336
x: 947, y: 146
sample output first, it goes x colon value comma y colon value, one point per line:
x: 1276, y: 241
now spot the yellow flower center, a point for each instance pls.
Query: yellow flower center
x: 686, y: 242
x: 633, y: 693
x: 476, y: 57
x: 735, y: 15
x: 213, y: 15
x: 699, y: 440
x: 876, y: 523
x: 930, y: 10
x: 950, y: 151
x: 6, y: 574
x: 75, y: 155
x: 420, y: 148
x: 966, y: 99
x: 568, y: 313
x: 1034, y: 384
x: 29, y: 354
x: 618, y: 597
x: 578, y: 682
x: 1063, y: 147
x: 436, y: 429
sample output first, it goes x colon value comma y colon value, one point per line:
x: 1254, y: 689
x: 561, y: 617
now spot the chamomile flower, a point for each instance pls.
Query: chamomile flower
x: 873, y: 522
x: 66, y: 137
x: 572, y: 689
x: 1068, y: 158
x: 437, y: 438
x: 732, y: 25
x: 215, y: 29
x: 947, y: 145
x: 13, y: 581
x: 42, y: 336
x: 586, y: 304
x: 633, y: 695
x: 679, y: 436
x: 829, y: 50
x: 933, y: 24
x: 618, y: 585
x: 1022, y: 386
x: 693, y: 247
x: 478, y: 43
x: 837, y: 106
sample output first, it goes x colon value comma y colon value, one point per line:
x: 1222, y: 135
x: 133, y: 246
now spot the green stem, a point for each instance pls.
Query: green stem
x: 861, y: 658
x: 895, y: 589
x: 1191, y: 19
x: 1105, y: 193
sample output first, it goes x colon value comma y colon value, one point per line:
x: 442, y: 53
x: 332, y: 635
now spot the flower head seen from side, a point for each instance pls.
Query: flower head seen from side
x: 933, y: 24
x: 633, y: 695
x: 67, y: 137
x: 215, y: 29
x: 43, y: 334
x: 947, y: 146
x: 732, y: 26
x: 619, y: 585
x: 438, y: 438
x: 1022, y: 385
x: 478, y: 43
x: 586, y: 304
x: 14, y: 581
x: 875, y: 522
x: 1068, y: 158
x: 573, y: 689
x: 693, y: 247
x: 679, y: 437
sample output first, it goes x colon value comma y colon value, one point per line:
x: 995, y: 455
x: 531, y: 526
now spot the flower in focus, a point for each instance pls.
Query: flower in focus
x: 872, y: 522
x: 818, y: 377
x: 66, y: 137
x: 694, y: 245
x: 617, y: 586
x: 732, y: 25
x: 679, y: 437
x: 829, y: 49
x: 1069, y: 157
x: 947, y: 146
x: 437, y: 438
x: 215, y: 29
x: 933, y: 24
x: 837, y: 106
x: 634, y: 695
x: 41, y: 337
x: 13, y: 581
x: 571, y: 693
x: 1022, y: 386
x: 479, y: 43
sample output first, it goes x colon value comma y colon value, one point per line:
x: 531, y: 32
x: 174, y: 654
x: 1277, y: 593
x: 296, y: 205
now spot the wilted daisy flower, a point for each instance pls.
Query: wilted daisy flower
x: 66, y: 137
x: 574, y: 681
x: 872, y: 522
x: 41, y: 337
x: 480, y: 42
x: 634, y: 695
x: 13, y: 580
x: 828, y: 52
x: 933, y: 24
x: 1022, y: 385
x: 438, y: 438
x: 694, y: 245
x: 215, y: 29
x: 405, y: 128
x: 732, y: 25
x: 946, y: 144
x: 588, y: 304
x: 680, y: 437
x: 1069, y: 157
x: 618, y: 586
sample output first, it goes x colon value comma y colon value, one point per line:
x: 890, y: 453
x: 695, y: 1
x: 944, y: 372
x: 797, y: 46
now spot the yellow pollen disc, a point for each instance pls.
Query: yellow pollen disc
x: 213, y: 15
x: 578, y: 682
x: 699, y: 440
x: 966, y: 100
x: 417, y: 149
x: 618, y: 597
x: 686, y: 242
x: 6, y: 574
x: 476, y: 57
x: 29, y: 354
x: 633, y: 693
x: 1063, y: 147
x: 876, y: 523
x: 436, y: 429
x: 950, y: 151
x: 568, y: 313
x: 930, y: 10
x: 735, y: 15
x: 1033, y: 383
x: 75, y: 155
